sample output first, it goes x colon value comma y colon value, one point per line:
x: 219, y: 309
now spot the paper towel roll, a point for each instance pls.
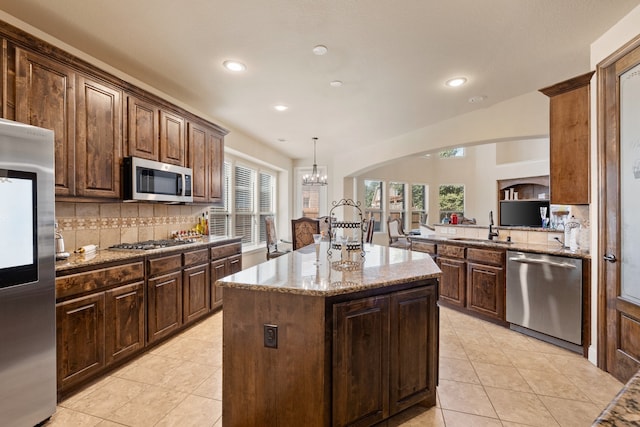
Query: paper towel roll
x: 86, y: 249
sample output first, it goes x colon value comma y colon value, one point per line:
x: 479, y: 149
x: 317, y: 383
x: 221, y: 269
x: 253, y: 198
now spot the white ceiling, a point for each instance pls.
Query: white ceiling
x: 392, y: 55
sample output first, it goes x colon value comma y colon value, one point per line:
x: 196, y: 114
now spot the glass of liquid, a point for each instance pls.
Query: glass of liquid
x: 316, y: 241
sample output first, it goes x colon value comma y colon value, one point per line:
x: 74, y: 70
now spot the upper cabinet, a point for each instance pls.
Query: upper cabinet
x: 98, y: 139
x: 45, y: 98
x: 98, y: 119
x: 569, y: 140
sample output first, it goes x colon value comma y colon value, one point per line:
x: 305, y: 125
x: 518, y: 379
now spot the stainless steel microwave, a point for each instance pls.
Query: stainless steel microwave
x: 156, y: 181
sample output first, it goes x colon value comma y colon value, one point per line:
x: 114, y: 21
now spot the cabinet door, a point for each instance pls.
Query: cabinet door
x: 195, y: 292
x: 171, y: 138
x: 235, y: 264
x: 413, y: 348
x: 142, y: 126
x: 197, y: 161
x: 164, y: 311
x: 45, y: 98
x: 219, y: 269
x: 361, y: 361
x: 98, y: 139
x: 485, y: 290
x: 216, y: 167
x: 452, y: 281
x: 124, y: 321
x: 80, y: 339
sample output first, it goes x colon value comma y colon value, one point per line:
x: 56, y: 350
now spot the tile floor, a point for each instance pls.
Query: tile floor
x: 489, y: 376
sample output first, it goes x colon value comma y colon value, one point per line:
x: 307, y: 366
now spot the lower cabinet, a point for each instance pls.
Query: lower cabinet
x: 486, y: 290
x: 164, y: 305
x: 226, y: 259
x: 453, y: 283
x: 195, y: 292
x: 103, y: 326
x: 384, y: 355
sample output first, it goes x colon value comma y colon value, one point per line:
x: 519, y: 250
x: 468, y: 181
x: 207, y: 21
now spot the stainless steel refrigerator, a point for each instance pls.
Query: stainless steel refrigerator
x: 27, y: 275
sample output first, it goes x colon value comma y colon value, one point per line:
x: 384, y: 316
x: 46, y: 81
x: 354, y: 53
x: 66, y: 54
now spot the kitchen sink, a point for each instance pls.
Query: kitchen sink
x: 478, y: 240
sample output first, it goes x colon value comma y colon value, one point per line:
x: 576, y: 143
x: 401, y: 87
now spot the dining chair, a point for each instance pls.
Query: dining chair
x: 369, y: 226
x: 272, y: 239
x: 302, y: 231
x: 397, y: 238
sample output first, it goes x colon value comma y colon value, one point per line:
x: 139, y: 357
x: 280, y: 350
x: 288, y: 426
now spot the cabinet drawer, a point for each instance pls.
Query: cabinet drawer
x: 429, y: 248
x: 165, y: 264
x: 486, y: 256
x: 98, y: 279
x: 450, y: 251
x: 196, y: 257
x: 225, y: 251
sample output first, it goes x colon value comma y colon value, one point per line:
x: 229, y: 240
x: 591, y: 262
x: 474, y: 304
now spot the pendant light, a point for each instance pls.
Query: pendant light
x: 314, y: 178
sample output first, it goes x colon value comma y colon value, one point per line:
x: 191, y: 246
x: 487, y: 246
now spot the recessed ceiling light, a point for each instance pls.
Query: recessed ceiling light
x: 320, y: 50
x: 282, y: 140
x: 456, y: 81
x: 234, y: 66
x: 335, y: 83
x: 281, y: 107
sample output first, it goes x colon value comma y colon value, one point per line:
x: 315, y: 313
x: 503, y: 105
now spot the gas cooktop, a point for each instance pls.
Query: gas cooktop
x: 151, y: 244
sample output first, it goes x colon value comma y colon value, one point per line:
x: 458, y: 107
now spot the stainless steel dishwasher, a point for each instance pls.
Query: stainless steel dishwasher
x: 544, y: 297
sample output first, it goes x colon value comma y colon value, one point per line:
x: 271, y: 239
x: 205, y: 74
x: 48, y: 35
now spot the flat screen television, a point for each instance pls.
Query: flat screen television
x: 522, y: 213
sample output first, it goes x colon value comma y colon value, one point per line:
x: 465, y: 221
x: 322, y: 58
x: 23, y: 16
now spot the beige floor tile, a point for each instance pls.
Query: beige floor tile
x: 212, y: 386
x: 527, y: 359
x: 571, y: 413
x: 194, y: 411
x: 475, y: 337
x: 149, y: 407
x: 549, y: 383
x: 107, y: 423
x: 486, y: 354
x: 418, y: 416
x: 457, y: 370
x: 187, y: 377
x: 520, y: 407
x: 69, y: 418
x: 453, y: 349
x: 149, y: 369
x: 459, y: 419
x: 105, y: 400
x: 599, y: 392
x: 499, y: 376
x: 68, y: 402
x: 463, y: 397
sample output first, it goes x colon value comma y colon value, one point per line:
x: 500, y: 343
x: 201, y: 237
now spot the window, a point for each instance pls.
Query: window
x: 266, y: 202
x: 451, y: 200
x: 452, y: 152
x: 373, y: 201
x: 311, y: 201
x: 220, y: 216
x: 419, y: 198
x: 249, y: 196
x: 397, y: 205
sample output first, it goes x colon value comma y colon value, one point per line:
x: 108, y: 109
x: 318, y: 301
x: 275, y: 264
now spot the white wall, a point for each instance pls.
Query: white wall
x: 617, y: 36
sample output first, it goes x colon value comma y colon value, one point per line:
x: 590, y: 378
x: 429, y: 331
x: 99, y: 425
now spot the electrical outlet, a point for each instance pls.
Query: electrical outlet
x: 270, y: 336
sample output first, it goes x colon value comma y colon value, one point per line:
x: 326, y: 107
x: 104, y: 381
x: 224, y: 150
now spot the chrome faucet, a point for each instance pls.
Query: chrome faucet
x: 492, y: 233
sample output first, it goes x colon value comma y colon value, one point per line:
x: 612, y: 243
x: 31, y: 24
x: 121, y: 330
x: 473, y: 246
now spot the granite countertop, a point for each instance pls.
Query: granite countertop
x: 501, y: 244
x: 296, y: 272
x: 104, y: 256
x: 624, y: 409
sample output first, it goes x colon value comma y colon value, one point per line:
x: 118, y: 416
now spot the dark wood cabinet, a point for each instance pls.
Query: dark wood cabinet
x: 102, y: 326
x: 569, y: 133
x: 45, y: 98
x: 197, y: 154
x: 361, y: 361
x: 98, y: 139
x: 195, y: 292
x: 164, y: 306
x: 172, y: 135
x: 124, y: 321
x: 413, y: 342
x: 142, y: 129
x: 453, y: 283
x: 80, y: 339
x: 384, y: 355
x: 216, y: 167
x: 226, y: 259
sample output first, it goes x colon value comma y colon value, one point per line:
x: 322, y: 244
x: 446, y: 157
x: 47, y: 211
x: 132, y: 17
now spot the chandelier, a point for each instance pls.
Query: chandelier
x: 314, y: 178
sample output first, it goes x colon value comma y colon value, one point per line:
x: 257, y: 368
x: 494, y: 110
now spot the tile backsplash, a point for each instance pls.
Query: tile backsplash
x: 106, y: 224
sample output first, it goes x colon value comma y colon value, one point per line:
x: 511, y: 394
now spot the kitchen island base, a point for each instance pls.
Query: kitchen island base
x: 348, y: 359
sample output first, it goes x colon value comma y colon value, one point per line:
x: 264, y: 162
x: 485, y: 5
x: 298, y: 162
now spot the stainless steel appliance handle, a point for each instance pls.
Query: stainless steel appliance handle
x: 542, y: 262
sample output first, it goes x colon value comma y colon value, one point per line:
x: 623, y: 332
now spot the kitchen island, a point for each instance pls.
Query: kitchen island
x: 320, y: 345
